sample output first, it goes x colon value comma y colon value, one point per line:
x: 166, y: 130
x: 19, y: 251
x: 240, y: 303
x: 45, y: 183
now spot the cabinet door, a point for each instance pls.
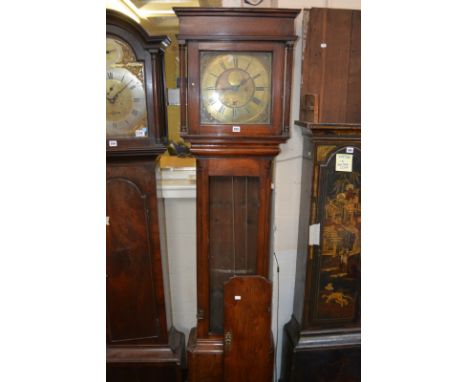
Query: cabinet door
x: 335, y: 280
x: 331, y: 65
x: 248, y: 345
x: 135, y: 297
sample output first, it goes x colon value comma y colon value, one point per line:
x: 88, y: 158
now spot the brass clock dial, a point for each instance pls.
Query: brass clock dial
x: 125, y: 92
x: 125, y: 104
x: 235, y: 88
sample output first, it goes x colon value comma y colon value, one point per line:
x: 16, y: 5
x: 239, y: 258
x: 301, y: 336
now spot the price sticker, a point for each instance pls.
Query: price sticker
x: 140, y: 133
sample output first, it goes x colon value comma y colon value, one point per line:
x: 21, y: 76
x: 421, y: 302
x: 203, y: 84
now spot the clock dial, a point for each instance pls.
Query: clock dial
x: 125, y: 104
x: 125, y: 92
x: 235, y: 88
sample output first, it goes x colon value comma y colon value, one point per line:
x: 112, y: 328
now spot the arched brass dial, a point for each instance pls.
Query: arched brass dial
x: 125, y: 104
x: 235, y: 88
x: 125, y: 92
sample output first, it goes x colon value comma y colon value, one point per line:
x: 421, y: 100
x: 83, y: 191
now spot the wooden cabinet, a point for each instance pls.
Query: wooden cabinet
x: 236, y: 67
x: 141, y: 343
x: 331, y: 66
x: 322, y: 340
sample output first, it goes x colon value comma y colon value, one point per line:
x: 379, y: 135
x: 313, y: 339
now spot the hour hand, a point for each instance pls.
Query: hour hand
x: 121, y: 90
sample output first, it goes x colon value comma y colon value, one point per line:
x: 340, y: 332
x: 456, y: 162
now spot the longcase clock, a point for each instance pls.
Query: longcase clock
x: 142, y: 345
x: 235, y: 71
x: 322, y: 341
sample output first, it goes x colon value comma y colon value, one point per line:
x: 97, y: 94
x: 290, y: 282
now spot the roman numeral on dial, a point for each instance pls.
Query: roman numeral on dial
x: 234, y: 113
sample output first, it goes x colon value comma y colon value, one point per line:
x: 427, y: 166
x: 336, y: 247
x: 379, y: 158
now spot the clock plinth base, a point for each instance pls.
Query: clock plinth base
x: 322, y: 355
x: 205, y: 358
x: 147, y: 362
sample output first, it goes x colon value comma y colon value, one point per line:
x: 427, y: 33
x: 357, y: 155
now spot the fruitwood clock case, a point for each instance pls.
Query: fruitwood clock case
x: 322, y: 341
x: 142, y: 345
x: 235, y: 71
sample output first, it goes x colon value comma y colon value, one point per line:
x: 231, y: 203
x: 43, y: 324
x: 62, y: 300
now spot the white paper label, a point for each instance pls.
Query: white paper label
x: 173, y: 96
x: 344, y: 162
x: 112, y: 143
x: 237, y: 297
x: 236, y: 129
x: 349, y: 150
x: 323, y: 45
x: 314, y: 234
x: 140, y: 132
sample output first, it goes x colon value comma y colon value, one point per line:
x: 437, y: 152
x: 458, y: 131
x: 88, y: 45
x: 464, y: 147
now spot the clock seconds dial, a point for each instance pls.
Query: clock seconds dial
x: 125, y: 104
x: 236, y: 88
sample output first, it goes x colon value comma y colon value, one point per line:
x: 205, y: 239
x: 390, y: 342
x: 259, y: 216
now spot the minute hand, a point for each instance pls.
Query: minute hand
x: 121, y: 90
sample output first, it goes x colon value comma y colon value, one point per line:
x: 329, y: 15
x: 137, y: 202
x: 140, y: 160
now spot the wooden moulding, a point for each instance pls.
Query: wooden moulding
x: 329, y: 130
x: 213, y: 23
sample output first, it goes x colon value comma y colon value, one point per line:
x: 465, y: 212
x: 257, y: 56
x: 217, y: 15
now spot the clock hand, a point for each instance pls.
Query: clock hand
x: 110, y: 99
x: 243, y: 81
x: 121, y: 90
x: 235, y: 87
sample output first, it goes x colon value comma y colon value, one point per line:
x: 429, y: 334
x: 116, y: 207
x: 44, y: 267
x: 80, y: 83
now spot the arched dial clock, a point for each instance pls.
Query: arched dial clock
x: 135, y: 97
x: 235, y: 70
x: 141, y: 343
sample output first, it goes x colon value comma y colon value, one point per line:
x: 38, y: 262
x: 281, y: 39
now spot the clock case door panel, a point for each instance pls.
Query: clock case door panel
x: 148, y: 50
x: 247, y: 334
x: 135, y: 299
x: 194, y: 80
x: 336, y: 262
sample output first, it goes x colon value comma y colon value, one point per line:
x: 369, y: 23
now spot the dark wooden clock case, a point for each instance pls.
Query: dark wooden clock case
x: 233, y: 182
x: 141, y: 344
x: 322, y: 341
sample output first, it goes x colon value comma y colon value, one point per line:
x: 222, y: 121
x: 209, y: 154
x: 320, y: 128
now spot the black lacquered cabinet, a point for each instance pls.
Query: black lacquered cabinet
x: 322, y: 339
